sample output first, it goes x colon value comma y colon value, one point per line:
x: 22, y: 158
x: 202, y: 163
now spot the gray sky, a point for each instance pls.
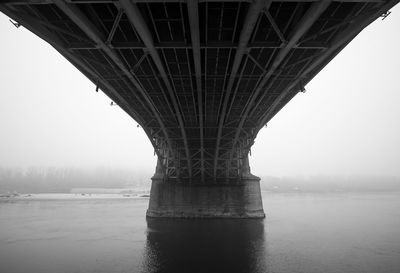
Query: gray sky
x: 347, y: 123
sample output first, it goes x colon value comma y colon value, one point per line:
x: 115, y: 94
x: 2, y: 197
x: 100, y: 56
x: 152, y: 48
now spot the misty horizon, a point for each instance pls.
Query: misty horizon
x: 64, y: 179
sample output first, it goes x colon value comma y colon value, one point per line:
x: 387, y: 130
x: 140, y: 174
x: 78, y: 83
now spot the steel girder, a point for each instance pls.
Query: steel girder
x: 200, y: 77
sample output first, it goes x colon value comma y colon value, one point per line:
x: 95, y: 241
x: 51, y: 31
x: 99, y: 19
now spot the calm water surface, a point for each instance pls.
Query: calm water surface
x: 301, y: 233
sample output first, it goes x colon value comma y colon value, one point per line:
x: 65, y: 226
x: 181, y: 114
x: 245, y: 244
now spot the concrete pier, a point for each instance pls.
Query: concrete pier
x: 175, y: 200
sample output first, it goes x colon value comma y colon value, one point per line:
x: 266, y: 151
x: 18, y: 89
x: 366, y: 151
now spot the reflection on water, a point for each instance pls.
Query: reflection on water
x: 308, y: 233
x: 218, y: 245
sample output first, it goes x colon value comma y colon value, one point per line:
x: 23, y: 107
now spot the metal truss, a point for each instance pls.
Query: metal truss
x: 200, y: 77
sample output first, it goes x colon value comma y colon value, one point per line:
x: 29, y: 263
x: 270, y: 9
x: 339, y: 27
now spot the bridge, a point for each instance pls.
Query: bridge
x: 201, y: 77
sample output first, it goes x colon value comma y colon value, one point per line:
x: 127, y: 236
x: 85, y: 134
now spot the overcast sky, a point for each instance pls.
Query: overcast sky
x: 347, y: 123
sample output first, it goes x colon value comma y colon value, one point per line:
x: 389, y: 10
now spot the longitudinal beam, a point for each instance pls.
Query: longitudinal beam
x: 245, y: 34
x: 136, y: 19
x: 309, y: 18
x: 184, y: 45
x: 90, y: 30
x: 193, y: 13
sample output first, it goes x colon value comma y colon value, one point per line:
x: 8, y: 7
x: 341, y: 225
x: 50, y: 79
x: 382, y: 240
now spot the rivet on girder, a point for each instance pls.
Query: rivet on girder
x: 386, y: 14
x: 97, y: 86
x: 302, y: 88
x: 16, y: 24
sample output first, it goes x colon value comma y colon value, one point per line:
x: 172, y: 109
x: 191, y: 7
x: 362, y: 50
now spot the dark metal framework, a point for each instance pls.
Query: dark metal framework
x: 200, y: 77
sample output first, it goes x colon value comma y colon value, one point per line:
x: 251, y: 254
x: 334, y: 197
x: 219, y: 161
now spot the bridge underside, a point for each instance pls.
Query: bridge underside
x: 200, y: 77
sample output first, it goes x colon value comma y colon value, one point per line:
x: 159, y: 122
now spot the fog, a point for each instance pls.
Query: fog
x: 110, y: 180
x: 346, y: 124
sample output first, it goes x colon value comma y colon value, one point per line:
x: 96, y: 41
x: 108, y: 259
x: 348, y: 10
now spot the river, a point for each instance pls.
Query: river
x: 315, y: 232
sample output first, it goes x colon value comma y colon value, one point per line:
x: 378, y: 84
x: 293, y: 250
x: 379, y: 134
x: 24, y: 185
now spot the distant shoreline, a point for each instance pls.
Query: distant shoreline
x: 119, y: 196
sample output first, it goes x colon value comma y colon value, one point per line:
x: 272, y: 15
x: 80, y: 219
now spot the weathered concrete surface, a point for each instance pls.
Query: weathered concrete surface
x: 241, y: 200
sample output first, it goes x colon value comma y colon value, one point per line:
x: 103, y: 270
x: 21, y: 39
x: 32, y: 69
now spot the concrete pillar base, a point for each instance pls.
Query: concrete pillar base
x: 174, y: 200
